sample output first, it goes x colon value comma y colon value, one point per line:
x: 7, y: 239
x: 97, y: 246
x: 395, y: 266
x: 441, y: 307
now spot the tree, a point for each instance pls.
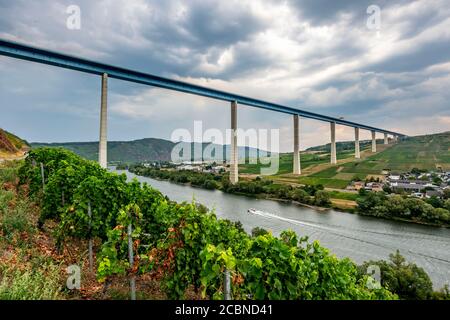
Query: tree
x: 415, y: 206
x: 435, y: 202
x: 396, y: 206
x: 283, y: 191
x: 443, y: 294
x: 322, y: 198
x: 447, y: 204
x: 446, y: 194
x: 258, y: 231
x: 405, y: 279
x: 362, y: 192
x: 300, y: 195
x: 211, y: 184
x: 441, y: 215
x: 437, y: 180
x: 369, y: 203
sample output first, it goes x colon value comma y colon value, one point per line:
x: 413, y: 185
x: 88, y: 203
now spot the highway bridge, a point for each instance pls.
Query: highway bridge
x: 105, y: 71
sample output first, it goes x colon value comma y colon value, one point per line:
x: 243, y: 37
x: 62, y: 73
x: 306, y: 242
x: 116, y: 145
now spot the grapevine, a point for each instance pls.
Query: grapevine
x: 180, y: 244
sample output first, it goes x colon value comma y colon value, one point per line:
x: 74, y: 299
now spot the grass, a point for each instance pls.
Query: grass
x: 25, y: 273
x: 6, y: 196
x: 326, y: 173
x: 14, y: 219
x: 8, y: 173
x: 285, y: 162
x: 343, y: 195
x: 39, y: 284
x: 329, y: 183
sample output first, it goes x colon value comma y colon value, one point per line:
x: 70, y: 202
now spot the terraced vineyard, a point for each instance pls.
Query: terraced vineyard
x: 430, y: 152
x: 424, y: 152
x: 184, y: 247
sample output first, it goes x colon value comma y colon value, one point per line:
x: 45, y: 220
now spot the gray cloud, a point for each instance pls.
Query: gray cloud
x: 317, y: 55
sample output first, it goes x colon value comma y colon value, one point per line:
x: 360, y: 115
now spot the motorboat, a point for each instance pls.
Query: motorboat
x: 251, y: 211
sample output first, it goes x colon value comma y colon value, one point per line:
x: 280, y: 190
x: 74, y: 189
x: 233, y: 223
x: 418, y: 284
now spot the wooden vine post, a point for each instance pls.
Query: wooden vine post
x: 91, y: 255
x: 227, y: 285
x: 42, y: 176
x: 131, y: 259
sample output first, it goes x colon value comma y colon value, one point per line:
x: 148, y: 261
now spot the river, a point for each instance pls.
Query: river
x: 346, y: 235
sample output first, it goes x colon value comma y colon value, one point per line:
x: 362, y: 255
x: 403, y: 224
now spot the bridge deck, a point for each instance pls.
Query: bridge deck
x: 25, y: 52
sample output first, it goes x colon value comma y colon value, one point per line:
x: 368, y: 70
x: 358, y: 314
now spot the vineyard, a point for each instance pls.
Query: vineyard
x: 181, y: 245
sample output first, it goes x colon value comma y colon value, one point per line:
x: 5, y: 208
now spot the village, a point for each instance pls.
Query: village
x: 195, y: 166
x: 414, y: 183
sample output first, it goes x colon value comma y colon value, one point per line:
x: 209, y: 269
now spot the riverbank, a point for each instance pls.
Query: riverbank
x: 314, y: 197
x: 261, y: 196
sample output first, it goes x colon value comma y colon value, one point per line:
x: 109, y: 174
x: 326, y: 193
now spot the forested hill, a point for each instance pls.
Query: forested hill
x: 124, y: 151
x: 148, y: 149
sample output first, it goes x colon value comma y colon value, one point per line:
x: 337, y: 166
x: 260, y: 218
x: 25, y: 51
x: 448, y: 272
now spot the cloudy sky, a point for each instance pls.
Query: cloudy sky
x: 316, y: 55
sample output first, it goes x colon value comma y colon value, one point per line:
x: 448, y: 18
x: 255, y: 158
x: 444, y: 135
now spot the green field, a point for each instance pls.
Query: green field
x: 429, y: 152
x: 326, y: 182
x: 285, y: 164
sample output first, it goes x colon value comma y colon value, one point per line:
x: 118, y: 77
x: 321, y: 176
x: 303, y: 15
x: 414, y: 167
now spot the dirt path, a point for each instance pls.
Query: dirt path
x: 10, y: 157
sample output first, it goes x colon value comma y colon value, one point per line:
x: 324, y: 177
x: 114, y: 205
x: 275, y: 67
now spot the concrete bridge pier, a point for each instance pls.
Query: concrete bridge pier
x: 357, y: 151
x: 102, y: 151
x: 333, y: 143
x: 297, y: 167
x: 386, y: 141
x: 234, y: 174
x: 374, y: 142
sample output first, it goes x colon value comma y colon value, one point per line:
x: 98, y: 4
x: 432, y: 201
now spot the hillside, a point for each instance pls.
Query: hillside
x: 148, y: 149
x: 344, y: 146
x: 429, y: 152
x: 123, y: 151
x: 11, y: 146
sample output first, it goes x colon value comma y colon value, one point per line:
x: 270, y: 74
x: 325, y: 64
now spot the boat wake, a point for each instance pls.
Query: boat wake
x: 297, y: 222
x: 334, y: 232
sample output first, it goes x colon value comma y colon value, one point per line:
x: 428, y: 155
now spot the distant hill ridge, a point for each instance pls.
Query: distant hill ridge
x: 147, y: 149
x: 425, y: 151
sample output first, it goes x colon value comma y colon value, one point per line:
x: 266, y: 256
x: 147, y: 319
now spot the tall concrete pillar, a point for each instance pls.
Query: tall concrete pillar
x: 234, y: 174
x: 296, y: 165
x: 102, y: 151
x: 374, y: 142
x: 333, y: 142
x: 386, y: 141
x: 357, y: 151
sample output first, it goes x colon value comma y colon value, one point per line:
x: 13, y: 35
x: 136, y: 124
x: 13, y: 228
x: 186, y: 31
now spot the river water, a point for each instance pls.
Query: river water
x: 346, y: 235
